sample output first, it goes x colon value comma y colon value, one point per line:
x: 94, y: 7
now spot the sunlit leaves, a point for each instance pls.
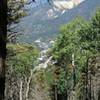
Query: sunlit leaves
x: 80, y: 37
x: 22, y: 58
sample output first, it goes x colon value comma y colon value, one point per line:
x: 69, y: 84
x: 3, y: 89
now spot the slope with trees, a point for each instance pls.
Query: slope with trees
x: 77, y: 43
x: 21, y: 60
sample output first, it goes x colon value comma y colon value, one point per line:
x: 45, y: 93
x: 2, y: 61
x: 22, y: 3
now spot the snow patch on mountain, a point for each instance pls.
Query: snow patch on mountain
x: 64, y: 5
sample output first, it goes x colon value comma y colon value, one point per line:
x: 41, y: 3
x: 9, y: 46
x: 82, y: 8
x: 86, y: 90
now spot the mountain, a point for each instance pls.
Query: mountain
x: 44, y: 22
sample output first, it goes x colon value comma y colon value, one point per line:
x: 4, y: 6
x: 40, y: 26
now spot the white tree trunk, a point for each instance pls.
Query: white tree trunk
x: 21, y: 84
x: 73, y: 61
x: 28, y: 84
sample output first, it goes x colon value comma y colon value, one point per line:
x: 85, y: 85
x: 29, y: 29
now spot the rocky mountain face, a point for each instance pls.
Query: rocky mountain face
x: 44, y: 20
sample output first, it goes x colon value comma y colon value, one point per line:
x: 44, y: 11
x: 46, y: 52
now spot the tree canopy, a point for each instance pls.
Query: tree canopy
x: 79, y: 38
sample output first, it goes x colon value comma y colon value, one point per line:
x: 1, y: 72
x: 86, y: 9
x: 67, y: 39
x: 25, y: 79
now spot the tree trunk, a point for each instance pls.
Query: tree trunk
x: 20, y: 95
x: 90, y: 95
x: 66, y: 95
x: 28, y: 84
x: 56, y: 96
x: 74, y: 73
x: 3, y: 33
x: 86, y: 81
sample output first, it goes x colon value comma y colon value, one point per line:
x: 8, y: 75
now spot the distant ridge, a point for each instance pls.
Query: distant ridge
x: 39, y: 24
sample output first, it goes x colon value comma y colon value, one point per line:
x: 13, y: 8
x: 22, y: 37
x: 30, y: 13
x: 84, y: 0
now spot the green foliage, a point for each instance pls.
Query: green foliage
x: 81, y: 38
x: 62, y: 83
x: 15, y: 12
x: 21, y: 58
x: 68, y: 40
x: 49, y: 75
x: 96, y: 20
x: 90, y: 34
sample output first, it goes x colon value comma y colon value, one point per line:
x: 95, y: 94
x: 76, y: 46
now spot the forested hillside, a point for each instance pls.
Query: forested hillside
x: 76, y: 52
x: 44, y: 21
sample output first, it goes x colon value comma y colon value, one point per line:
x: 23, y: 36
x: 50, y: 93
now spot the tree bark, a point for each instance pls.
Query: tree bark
x: 28, y: 84
x: 56, y: 96
x: 90, y: 94
x: 74, y: 73
x: 86, y: 81
x: 21, y: 85
x: 3, y: 34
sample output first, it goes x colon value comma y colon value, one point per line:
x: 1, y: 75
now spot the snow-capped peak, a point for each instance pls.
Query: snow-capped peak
x: 64, y: 5
x: 61, y: 7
